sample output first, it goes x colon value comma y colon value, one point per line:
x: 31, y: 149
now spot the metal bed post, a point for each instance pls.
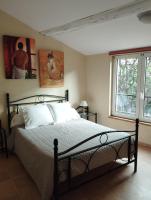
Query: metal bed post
x: 67, y: 95
x: 56, y: 175
x: 69, y: 172
x: 136, y: 146
x: 129, y: 149
x: 8, y: 112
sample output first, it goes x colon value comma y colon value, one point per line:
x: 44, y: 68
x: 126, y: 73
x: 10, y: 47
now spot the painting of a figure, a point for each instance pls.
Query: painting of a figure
x: 19, y: 57
x: 51, y: 70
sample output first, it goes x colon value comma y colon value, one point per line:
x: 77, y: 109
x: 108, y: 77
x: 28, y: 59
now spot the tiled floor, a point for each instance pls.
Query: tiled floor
x: 15, y: 184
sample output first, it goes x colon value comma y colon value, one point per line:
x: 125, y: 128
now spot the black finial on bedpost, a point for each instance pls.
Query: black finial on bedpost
x: 8, y: 112
x: 136, y: 145
x: 67, y: 95
x: 56, y: 175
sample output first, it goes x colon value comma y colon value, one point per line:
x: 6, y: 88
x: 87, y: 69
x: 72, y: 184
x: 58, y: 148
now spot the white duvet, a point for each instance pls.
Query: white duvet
x: 34, y: 147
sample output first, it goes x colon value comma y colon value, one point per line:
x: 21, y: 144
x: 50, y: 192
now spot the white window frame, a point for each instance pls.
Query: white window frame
x: 140, y: 87
x: 142, y: 118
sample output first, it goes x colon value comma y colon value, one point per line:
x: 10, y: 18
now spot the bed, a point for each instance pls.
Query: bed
x: 62, y: 156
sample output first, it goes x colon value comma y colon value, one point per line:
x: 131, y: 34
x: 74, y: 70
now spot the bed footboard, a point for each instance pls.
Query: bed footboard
x: 88, y: 175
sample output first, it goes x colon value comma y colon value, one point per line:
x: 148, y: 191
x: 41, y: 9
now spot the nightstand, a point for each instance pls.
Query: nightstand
x: 88, y: 116
x: 3, y: 141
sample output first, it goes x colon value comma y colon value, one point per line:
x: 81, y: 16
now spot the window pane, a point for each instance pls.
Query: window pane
x: 126, y: 85
x: 147, y: 93
x: 126, y: 104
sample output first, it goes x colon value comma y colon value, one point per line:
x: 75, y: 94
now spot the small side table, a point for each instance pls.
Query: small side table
x: 88, y: 116
x: 3, y: 141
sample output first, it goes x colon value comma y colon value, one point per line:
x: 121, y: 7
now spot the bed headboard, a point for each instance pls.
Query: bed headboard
x: 13, y: 105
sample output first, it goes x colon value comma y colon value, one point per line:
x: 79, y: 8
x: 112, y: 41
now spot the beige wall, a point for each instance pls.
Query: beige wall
x: 74, y: 67
x: 97, y: 87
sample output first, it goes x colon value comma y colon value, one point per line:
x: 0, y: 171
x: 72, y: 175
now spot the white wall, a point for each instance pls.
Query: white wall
x: 97, y: 88
x: 74, y: 63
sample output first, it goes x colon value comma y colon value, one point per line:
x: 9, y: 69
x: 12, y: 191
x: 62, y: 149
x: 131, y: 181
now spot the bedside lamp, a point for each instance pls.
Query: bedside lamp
x: 84, y: 106
x: 84, y: 103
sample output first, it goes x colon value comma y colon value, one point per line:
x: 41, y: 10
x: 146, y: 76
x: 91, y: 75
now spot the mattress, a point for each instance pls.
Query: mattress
x: 34, y: 148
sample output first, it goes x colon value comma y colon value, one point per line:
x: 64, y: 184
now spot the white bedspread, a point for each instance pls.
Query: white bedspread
x: 35, y: 149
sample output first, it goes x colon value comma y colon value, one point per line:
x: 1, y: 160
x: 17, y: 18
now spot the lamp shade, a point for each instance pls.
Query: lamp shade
x: 83, y: 103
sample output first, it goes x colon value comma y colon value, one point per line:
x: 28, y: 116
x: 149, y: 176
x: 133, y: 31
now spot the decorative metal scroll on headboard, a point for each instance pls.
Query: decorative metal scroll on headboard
x: 13, y: 106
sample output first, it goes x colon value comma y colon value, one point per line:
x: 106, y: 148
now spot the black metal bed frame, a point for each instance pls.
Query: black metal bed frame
x: 68, y: 155
x: 132, y: 153
x: 3, y: 140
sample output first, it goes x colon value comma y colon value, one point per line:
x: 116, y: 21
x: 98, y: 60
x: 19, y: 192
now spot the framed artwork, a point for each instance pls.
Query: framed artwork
x: 51, y: 68
x: 19, y: 57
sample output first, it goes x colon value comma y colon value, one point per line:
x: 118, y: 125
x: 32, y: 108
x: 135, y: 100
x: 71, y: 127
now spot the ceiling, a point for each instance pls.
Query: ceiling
x: 121, y: 33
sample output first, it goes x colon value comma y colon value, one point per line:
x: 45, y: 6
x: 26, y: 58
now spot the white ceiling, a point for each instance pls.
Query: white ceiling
x: 122, y: 33
x: 118, y: 34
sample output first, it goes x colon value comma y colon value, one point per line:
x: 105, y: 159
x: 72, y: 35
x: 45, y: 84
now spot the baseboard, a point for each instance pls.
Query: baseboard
x: 141, y: 144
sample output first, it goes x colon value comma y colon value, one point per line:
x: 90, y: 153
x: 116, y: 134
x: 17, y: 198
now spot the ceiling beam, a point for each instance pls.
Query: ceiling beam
x: 129, y: 9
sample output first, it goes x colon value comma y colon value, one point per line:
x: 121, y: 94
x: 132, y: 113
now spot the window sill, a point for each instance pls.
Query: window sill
x: 129, y: 120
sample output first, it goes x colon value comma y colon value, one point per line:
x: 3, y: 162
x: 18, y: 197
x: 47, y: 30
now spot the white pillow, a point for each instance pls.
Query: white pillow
x: 37, y: 115
x: 63, y: 112
x: 17, y: 120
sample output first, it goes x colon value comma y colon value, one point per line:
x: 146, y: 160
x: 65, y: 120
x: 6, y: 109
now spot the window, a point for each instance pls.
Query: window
x: 131, y: 92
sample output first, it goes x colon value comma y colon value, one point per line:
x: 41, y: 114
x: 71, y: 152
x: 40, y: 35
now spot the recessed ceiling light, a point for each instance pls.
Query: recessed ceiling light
x: 145, y: 17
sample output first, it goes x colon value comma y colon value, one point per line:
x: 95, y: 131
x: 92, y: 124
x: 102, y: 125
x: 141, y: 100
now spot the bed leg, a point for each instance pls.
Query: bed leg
x: 69, y: 172
x: 129, y: 149
x: 5, y: 141
x: 56, y: 177
x: 136, y: 146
